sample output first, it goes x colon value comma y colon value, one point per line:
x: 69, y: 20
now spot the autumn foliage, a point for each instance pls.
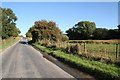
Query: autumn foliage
x: 45, y: 30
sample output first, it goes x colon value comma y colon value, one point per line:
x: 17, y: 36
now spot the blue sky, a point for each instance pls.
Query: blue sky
x: 119, y: 13
x: 65, y: 14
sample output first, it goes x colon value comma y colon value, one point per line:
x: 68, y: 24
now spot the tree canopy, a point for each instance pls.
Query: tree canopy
x: 100, y: 33
x: 88, y: 30
x: 45, y: 30
x: 81, y: 30
x: 8, y: 20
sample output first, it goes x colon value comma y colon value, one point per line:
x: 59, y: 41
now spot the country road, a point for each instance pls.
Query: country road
x: 23, y: 61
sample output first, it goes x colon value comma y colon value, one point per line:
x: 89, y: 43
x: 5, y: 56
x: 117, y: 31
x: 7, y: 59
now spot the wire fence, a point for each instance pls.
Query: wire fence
x: 109, y: 51
x: 102, y: 50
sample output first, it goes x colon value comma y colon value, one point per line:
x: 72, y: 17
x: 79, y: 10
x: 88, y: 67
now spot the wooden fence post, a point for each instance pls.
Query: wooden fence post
x: 117, y: 51
x: 105, y: 54
x: 85, y: 47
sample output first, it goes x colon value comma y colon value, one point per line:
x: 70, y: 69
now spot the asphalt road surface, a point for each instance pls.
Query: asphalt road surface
x: 23, y: 61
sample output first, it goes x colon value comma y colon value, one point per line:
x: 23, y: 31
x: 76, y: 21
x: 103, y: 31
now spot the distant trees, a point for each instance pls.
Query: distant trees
x: 48, y: 30
x: 103, y: 33
x: 88, y: 30
x: 119, y: 30
x: 100, y: 33
x: 113, y: 34
x: 44, y: 30
x: 8, y: 26
x: 118, y: 27
x: 81, y: 30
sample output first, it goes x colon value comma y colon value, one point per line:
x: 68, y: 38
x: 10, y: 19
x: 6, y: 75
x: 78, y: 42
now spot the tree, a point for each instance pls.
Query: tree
x: 100, y: 33
x: 118, y: 31
x: 45, y: 30
x: 28, y: 34
x: 9, y: 28
x: 65, y: 37
x: 118, y: 27
x: 81, y: 30
x: 113, y: 34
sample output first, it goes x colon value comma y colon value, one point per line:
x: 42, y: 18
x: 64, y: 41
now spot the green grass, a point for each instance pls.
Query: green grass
x: 8, y: 43
x: 111, y: 48
x: 107, y: 51
x: 99, y: 69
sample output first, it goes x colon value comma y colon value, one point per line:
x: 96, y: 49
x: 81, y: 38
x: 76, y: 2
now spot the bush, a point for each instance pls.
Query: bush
x: 68, y: 49
x: 55, y: 46
x: 73, y: 49
x: 65, y: 37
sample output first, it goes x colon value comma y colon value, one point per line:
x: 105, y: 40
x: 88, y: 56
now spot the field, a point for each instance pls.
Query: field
x: 108, y: 50
x: 102, y: 50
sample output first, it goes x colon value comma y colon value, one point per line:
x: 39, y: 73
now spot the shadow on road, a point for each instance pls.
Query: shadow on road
x: 23, y: 42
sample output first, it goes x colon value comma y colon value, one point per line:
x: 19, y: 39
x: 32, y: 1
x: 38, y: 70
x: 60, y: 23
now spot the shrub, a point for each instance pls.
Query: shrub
x: 73, y: 49
x: 55, y: 46
x: 68, y: 49
x: 65, y: 37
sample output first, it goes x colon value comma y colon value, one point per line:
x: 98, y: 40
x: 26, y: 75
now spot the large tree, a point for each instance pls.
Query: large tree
x: 81, y: 30
x: 45, y: 30
x: 9, y: 28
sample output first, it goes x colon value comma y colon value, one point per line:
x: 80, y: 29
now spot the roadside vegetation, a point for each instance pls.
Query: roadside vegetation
x: 6, y: 43
x: 100, y: 58
x: 9, y: 31
x: 8, y: 27
x: 98, y: 69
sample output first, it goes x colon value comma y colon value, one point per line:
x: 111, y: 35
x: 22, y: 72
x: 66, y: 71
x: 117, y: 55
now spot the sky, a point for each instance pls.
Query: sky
x: 65, y: 14
x: 59, y: 0
x: 119, y: 12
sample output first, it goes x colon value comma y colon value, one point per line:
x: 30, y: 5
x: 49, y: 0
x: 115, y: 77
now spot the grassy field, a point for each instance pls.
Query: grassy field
x: 8, y: 42
x: 107, y: 51
x: 95, y: 68
x: 104, y: 50
x: 91, y: 49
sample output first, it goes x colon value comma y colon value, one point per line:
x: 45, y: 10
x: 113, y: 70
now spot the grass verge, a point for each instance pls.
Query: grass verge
x: 95, y: 68
x: 8, y: 43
